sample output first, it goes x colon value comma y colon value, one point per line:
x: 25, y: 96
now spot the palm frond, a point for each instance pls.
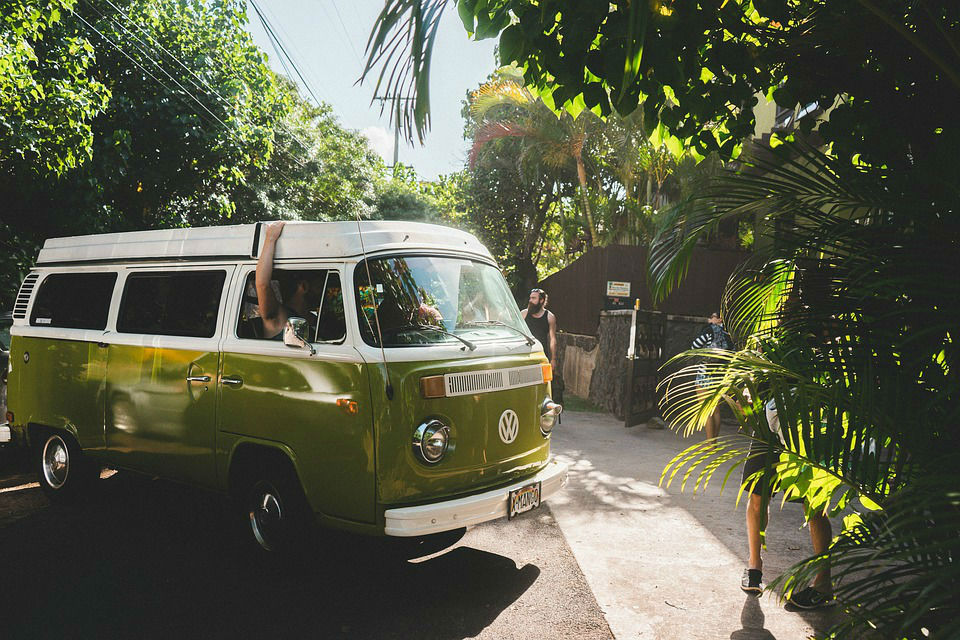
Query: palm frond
x: 498, y: 93
x: 896, y: 570
x: 401, y: 44
x: 850, y: 334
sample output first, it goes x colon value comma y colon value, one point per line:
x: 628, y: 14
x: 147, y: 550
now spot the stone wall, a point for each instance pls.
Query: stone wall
x: 596, y: 367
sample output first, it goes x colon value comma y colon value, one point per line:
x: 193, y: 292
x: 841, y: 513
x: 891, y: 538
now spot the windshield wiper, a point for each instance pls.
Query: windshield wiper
x: 497, y: 323
x: 427, y: 327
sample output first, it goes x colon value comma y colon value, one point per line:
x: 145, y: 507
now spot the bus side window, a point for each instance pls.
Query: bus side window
x: 323, y: 303
x: 332, y: 325
x: 250, y: 325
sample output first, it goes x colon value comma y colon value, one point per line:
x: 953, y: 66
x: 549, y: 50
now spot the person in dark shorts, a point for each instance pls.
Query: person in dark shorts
x: 820, y: 593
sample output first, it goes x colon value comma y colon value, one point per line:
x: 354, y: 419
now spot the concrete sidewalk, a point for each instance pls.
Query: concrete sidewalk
x: 661, y: 563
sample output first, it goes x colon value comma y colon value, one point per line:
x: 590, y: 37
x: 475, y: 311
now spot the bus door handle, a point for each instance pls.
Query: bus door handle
x: 198, y: 378
x: 233, y: 382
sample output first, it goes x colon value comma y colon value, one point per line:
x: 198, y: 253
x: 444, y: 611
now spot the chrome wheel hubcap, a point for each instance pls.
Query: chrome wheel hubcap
x: 56, y: 462
x: 266, y: 517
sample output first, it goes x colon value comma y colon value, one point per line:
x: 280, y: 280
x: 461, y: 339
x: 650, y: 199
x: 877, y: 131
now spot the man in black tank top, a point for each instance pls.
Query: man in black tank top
x: 542, y: 324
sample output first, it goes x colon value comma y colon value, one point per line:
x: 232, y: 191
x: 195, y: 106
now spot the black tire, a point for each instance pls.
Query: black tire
x: 277, y: 513
x: 62, y: 470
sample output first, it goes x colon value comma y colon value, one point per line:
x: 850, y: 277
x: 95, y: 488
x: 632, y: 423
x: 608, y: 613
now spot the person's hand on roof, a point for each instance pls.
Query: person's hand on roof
x: 273, y: 230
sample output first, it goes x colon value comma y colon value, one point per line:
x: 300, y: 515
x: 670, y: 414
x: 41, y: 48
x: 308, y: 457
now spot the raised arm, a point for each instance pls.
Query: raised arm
x: 703, y: 340
x: 270, y: 309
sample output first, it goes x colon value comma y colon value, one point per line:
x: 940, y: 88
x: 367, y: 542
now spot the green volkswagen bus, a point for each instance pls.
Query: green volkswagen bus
x: 410, y: 400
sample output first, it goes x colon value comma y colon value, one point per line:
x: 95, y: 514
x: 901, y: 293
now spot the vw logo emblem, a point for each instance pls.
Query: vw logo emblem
x: 509, y: 426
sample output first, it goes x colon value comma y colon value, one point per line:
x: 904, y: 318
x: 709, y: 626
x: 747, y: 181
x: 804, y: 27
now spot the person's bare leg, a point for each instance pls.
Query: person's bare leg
x: 713, y: 425
x: 756, y: 518
x: 821, y: 534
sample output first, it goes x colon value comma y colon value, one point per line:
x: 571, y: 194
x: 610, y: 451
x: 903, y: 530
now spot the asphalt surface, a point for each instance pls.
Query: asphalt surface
x: 614, y: 555
x: 150, y: 559
x: 664, y: 562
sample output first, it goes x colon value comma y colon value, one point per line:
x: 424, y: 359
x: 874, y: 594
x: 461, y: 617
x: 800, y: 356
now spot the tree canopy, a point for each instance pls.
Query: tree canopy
x: 48, y: 99
x: 888, y: 68
x: 157, y: 114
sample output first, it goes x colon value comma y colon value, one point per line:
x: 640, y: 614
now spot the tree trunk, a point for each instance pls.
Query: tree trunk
x: 526, y: 279
x: 582, y: 176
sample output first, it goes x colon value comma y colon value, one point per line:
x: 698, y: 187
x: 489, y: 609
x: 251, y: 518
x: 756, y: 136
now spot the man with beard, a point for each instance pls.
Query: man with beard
x: 542, y: 323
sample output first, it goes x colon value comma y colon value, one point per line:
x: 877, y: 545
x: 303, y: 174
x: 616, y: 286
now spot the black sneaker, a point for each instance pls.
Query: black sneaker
x: 810, y: 598
x: 751, y: 582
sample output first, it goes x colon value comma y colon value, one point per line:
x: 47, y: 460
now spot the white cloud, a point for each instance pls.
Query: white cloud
x: 381, y: 141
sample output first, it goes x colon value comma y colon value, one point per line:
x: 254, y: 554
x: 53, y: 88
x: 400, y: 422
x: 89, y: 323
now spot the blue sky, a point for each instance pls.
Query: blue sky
x: 327, y: 39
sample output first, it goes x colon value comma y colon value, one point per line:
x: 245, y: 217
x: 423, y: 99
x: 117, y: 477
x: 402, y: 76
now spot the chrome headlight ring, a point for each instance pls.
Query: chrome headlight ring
x: 549, y: 411
x: 431, y: 441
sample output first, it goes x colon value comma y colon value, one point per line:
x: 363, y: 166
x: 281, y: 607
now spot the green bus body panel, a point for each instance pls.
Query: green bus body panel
x: 293, y: 401
x: 477, y: 458
x: 133, y: 406
x: 61, y: 386
x: 157, y: 421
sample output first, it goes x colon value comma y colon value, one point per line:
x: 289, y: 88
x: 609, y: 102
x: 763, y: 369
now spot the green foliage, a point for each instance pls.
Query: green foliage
x: 508, y: 211
x: 695, y: 68
x: 47, y: 97
x: 850, y: 330
x: 317, y: 170
x: 608, y: 182
x: 180, y: 136
x: 403, y: 196
x: 197, y: 130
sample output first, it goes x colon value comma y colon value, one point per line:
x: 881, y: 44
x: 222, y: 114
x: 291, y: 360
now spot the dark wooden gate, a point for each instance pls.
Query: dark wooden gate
x: 644, y: 357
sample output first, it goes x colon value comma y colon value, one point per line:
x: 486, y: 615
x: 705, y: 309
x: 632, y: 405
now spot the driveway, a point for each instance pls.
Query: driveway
x: 666, y: 564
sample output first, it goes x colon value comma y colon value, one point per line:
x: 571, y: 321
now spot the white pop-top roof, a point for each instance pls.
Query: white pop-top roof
x: 299, y: 240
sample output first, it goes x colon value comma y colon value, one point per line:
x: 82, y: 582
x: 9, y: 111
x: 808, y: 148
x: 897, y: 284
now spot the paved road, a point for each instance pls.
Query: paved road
x: 615, y: 555
x: 148, y: 559
x: 663, y: 563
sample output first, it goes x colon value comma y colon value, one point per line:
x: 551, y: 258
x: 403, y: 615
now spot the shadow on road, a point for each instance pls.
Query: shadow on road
x: 619, y: 471
x: 151, y: 559
x: 752, y: 619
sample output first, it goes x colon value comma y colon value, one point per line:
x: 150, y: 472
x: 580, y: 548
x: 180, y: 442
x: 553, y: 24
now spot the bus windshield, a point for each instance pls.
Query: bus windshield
x: 423, y: 300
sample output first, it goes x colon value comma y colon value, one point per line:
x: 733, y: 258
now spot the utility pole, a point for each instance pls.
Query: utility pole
x: 396, y: 125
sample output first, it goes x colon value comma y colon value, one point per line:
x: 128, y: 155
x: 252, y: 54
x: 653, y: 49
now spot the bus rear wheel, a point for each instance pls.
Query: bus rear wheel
x: 63, y: 472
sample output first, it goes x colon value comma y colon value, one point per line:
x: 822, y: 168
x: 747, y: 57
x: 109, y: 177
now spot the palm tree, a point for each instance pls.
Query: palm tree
x: 850, y: 329
x: 504, y: 108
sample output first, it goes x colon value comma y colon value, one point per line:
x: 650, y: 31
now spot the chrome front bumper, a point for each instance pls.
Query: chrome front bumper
x: 461, y: 512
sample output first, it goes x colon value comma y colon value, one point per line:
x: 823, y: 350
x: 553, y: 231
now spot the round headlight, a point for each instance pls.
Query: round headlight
x: 549, y: 411
x: 431, y: 441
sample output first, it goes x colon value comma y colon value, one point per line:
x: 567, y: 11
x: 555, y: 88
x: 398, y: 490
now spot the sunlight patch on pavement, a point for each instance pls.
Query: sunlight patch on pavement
x: 21, y: 487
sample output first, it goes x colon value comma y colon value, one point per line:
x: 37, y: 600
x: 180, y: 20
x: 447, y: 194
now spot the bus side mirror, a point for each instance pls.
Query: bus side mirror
x: 295, y: 335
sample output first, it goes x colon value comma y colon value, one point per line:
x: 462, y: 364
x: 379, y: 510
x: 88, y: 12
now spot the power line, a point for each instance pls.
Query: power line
x: 349, y: 39
x: 277, y: 43
x: 142, y: 68
x: 206, y: 86
x: 309, y: 69
x: 180, y: 94
x: 165, y: 72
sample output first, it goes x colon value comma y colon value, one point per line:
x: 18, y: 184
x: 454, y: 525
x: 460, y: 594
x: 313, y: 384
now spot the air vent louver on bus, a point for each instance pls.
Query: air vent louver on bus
x: 23, y: 297
x: 461, y: 384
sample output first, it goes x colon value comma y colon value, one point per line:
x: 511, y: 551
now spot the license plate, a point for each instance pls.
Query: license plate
x: 524, y: 499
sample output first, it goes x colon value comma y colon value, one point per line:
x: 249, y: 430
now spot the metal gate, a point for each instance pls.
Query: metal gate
x: 644, y: 357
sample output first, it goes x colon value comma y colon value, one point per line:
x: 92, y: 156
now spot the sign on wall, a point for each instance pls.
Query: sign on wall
x: 618, y: 289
